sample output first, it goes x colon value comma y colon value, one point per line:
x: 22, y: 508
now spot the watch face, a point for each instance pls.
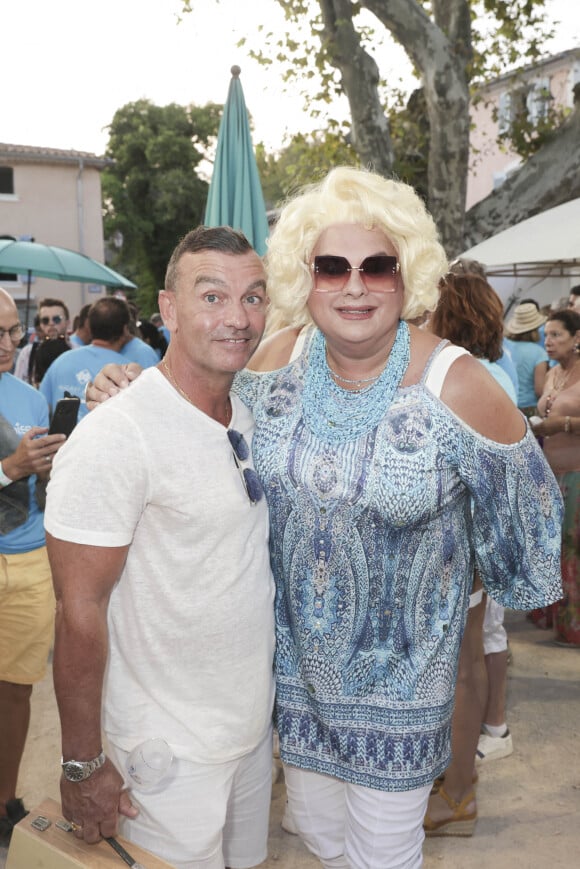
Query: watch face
x: 74, y: 771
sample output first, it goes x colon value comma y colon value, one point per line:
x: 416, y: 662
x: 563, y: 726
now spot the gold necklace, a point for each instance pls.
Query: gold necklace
x: 558, y: 387
x: 228, y: 411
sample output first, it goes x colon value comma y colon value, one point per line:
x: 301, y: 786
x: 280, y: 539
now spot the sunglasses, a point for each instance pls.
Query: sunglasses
x: 332, y: 273
x: 56, y: 320
x: 248, y: 476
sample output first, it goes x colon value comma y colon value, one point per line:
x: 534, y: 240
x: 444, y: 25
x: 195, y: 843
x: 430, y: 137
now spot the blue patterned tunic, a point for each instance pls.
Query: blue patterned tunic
x: 373, y: 546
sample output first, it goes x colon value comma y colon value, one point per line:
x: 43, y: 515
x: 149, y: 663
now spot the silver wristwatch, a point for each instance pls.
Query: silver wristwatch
x: 79, y: 770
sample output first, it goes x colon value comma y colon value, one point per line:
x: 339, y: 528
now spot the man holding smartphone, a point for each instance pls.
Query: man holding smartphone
x: 26, y: 595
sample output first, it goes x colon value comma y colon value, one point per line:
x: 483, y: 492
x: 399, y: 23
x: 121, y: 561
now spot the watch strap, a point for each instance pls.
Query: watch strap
x: 83, y: 768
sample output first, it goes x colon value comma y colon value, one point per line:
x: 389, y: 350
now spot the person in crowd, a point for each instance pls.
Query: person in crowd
x: 166, y: 549
x: 474, y: 267
x: 109, y: 324
x: 530, y: 357
x: 392, y: 469
x: 52, y: 321
x: 574, y: 300
x: 26, y: 595
x: 81, y: 334
x: 542, y: 326
x: 47, y: 352
x: 559, y: 427
x: 136, y: 349
x: 157, y: 321
x: 470, y: 315
x: 154, y: 337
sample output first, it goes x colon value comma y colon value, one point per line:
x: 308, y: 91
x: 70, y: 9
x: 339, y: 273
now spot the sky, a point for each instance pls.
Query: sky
x: 69, y: 65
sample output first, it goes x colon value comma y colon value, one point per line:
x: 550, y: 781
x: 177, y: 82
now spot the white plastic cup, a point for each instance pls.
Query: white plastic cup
x: 149, y: 764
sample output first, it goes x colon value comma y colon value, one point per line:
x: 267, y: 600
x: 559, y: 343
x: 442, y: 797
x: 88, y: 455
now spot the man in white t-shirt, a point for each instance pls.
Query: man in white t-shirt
x: 157, y: 531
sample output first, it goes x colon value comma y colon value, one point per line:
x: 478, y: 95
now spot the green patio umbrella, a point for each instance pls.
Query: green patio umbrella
x: 47, y: 261
x: 235, y: 194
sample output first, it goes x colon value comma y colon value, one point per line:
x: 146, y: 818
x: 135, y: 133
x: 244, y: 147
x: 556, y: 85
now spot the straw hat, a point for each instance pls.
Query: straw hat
x: 526, y: 318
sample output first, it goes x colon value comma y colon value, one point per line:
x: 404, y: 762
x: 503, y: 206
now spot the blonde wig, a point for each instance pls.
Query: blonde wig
x: 348, y: 195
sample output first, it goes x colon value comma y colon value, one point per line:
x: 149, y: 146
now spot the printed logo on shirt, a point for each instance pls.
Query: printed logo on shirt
x: 21, y: 428
x: 83, y: 376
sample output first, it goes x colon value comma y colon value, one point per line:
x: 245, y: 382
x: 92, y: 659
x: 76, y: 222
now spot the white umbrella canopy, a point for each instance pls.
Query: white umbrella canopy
x: 537, y: 258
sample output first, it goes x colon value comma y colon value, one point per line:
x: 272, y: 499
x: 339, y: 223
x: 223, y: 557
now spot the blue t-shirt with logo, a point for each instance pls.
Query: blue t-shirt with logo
x: 23, y: 407
x: 71, y: 372
x: 137, y: 350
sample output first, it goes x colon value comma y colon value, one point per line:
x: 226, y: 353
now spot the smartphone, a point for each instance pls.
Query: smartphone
x: 65, y: 415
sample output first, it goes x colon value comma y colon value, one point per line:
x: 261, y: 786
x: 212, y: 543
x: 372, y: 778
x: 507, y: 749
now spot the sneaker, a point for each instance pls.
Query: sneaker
x: 15, y: 811
x: 493, y: 747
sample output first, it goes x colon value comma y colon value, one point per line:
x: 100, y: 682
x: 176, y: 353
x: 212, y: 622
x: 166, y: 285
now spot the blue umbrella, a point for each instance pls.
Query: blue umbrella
x: 235, y: 195
x: 59, y: 263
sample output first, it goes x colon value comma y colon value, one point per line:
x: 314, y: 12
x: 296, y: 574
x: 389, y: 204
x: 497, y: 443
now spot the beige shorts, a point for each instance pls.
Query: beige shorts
x: 26, y: 616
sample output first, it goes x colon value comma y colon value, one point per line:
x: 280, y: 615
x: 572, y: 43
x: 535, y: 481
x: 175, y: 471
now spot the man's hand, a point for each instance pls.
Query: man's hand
x: 94, y: 805
x: 109, y: 381
x: 33, y: 454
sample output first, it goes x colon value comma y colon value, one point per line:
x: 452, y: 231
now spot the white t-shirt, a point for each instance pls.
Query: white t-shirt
x: 191, y: 631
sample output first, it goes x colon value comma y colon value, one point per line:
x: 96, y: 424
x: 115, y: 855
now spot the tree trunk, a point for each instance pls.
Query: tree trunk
x: 441, y: 50
x: 360, y: 78
x: 442, y: 56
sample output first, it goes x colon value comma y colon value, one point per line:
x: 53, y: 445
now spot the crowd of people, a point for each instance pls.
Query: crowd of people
x: 318, y: 532
x: 35, y: 372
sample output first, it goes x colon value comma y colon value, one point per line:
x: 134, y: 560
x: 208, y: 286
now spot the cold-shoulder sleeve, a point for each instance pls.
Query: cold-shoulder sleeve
x: 517, y: 519
x: 251, y: 386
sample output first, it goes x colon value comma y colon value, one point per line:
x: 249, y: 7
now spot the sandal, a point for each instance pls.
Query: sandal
x: 440, y: 779
x: 461, y: 823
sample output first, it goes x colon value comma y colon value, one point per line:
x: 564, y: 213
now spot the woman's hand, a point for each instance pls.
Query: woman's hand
x: 550, y: 425
x: 109, y: 381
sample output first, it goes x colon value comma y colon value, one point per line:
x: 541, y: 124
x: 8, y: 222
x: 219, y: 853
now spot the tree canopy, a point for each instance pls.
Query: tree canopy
x: 153, y: 192
x: 452, y: 44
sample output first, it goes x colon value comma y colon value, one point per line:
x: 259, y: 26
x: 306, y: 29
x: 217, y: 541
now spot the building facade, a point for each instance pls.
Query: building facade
x: 531, y: 91
x: 53, y: 197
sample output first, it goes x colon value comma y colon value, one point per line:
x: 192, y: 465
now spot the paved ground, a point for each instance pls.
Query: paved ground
x: 529, y: 803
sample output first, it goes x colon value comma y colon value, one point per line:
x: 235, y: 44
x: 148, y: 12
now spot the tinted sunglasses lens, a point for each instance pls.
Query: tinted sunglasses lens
x: 46, y: 320
x: 253, y: 485
x: 379, y: 266
x: 239, y: 444
x: 331, y: 271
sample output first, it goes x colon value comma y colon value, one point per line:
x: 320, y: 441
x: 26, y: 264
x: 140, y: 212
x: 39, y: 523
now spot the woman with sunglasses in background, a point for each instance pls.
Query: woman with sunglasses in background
x: 371, y: 447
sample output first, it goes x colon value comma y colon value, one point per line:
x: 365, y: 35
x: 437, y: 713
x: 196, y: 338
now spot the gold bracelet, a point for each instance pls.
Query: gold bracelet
x: 567, y: 425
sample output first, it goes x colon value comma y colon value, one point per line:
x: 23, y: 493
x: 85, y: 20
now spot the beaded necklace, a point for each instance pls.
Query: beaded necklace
x: 335, y: 414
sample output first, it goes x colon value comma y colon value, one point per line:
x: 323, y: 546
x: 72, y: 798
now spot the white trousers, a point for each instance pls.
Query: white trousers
x: 352, y: 827
x: 205, y: 816
x: 494, y: 634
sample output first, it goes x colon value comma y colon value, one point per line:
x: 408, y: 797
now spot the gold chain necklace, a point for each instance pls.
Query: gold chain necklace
x: 173, y: 381
x: 558, y: 387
